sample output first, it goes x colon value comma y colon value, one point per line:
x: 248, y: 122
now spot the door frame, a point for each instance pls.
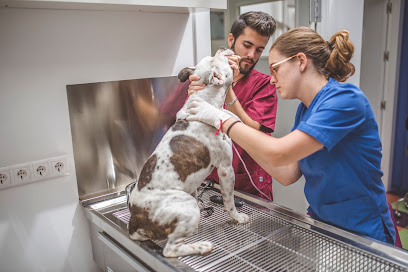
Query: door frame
x: 391, y: 78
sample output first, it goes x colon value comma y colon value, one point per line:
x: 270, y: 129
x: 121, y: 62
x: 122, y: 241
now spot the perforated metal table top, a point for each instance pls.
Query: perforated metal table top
x: 269, y: 242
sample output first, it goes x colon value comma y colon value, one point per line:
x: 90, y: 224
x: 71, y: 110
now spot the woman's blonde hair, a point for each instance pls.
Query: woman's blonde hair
x: 331, y: 58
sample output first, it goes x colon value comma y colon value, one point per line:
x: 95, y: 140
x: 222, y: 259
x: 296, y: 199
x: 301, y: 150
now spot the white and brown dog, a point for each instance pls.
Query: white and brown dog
x: 162, y: 203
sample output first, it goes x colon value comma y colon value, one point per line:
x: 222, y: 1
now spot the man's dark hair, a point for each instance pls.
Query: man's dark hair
x: 259, y: 21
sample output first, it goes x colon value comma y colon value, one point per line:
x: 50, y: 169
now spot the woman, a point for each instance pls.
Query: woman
x: 334, y: 142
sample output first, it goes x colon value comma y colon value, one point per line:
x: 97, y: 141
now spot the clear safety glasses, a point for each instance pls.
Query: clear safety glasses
x: 274, y: 67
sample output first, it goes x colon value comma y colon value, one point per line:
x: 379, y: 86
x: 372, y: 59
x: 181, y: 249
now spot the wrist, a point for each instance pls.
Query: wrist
x: 230, y: 126
x: 231, y: 97
x: 232, y: 102
x: 227, y: 123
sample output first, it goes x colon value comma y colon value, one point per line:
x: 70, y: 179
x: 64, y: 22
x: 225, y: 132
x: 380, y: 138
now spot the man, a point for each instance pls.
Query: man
x: 251, y: 97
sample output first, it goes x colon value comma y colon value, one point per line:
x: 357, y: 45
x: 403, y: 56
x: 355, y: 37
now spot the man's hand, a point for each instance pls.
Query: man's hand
x: 200, y: 110
x: 233, y: 61
x: 194, y: 85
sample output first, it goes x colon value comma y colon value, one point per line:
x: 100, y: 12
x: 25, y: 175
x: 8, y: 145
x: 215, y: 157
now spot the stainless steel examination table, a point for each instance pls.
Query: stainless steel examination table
x: 275, y: 239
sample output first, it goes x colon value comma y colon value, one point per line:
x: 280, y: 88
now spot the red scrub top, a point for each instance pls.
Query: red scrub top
x: 259, y: 100
x: 173, y: 103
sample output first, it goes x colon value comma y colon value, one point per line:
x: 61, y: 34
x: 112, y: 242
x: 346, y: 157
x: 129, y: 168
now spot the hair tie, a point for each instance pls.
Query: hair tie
x: 330, y: 45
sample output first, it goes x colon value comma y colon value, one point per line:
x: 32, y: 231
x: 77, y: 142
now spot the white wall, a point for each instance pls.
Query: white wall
x: 344, y: 15
x: 42, y: 227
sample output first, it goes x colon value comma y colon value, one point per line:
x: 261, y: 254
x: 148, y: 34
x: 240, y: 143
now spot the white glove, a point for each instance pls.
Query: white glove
x: 200, y: 110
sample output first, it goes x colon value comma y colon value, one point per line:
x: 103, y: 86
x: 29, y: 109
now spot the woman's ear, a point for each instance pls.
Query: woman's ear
x: 302, y: 61
x: 230, y: 40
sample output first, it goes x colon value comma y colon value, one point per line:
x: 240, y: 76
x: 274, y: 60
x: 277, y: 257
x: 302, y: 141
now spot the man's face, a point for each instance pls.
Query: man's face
x: 249, y: 46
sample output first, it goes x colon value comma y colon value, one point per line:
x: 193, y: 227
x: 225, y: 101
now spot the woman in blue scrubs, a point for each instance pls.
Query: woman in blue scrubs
x: 334, y: 142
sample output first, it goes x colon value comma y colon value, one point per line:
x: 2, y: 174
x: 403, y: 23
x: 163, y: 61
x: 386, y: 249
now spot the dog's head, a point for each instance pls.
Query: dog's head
x: 213, y: 71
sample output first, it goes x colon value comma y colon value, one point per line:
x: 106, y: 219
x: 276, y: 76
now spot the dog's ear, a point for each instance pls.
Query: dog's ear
x: 185, y: 73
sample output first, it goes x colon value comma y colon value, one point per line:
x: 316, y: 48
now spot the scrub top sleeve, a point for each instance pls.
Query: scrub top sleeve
x: 263, y: 106
x: 175, y: 101
x: 334, y: 118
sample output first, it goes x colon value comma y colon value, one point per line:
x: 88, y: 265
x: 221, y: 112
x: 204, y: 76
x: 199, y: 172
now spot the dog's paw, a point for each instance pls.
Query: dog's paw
x: 138, y: 235
x: 177, y: 250
x: 204, y: 247
x: 242, y: 218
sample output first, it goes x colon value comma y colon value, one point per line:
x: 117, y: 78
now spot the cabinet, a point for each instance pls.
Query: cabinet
x: 176, y: 6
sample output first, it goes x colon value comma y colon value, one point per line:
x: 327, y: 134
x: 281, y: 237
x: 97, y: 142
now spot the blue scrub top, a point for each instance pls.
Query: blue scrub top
x: 343, y: 179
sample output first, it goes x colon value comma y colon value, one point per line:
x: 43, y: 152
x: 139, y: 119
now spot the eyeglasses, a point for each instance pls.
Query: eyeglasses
x: 274, y: 67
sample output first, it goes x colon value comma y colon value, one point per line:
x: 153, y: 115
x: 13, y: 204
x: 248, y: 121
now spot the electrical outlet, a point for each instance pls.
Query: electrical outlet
x: 5, y: 177
x: 41, y: 170
x: 60, y: 166
x: 21, y: 174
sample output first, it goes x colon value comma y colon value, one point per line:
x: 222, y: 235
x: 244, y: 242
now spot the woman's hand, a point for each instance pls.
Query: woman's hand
x: 233, y: 61
x: 194, y: 84
x: 200, y: 110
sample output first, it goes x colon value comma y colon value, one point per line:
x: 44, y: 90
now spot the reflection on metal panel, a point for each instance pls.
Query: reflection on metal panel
x: 116, y: 126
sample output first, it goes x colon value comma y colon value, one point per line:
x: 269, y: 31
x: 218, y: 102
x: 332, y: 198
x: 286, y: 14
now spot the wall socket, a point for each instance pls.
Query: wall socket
x: 21, y: 174
x: 41, y: 169
x: 5, y: 177
x: 60, y: 166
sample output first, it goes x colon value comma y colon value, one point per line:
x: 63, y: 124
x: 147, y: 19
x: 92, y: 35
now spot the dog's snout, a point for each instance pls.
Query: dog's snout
x: 217, y: 78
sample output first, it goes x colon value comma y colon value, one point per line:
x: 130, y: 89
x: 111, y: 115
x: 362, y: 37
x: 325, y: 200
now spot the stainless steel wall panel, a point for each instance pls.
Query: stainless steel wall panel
x: 115, y: 127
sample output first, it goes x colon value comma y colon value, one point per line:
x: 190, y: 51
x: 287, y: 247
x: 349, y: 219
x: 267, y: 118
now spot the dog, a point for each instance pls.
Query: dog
x: 162, y: 204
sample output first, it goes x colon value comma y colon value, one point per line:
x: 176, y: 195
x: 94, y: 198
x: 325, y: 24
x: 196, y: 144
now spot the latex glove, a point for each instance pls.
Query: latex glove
x: 200, y: 110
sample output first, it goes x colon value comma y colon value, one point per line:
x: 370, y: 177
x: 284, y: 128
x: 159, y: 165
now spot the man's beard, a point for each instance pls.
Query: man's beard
x: 244, y: 69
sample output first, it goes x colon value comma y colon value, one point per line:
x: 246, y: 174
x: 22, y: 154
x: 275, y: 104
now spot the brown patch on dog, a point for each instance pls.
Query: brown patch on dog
x: 140, y: 220
x: 147, y: 172
x: 189, y: 155
x: 180, y: 125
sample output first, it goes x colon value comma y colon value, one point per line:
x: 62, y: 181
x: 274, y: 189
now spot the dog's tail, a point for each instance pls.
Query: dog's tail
x: 129, y: 188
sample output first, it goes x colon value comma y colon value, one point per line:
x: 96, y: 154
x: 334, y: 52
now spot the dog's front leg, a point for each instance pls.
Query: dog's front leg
x: 199, y: 201
x: 227, y: 181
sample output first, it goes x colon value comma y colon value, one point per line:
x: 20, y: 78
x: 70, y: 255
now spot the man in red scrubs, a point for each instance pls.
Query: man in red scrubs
x: 252, y: 98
